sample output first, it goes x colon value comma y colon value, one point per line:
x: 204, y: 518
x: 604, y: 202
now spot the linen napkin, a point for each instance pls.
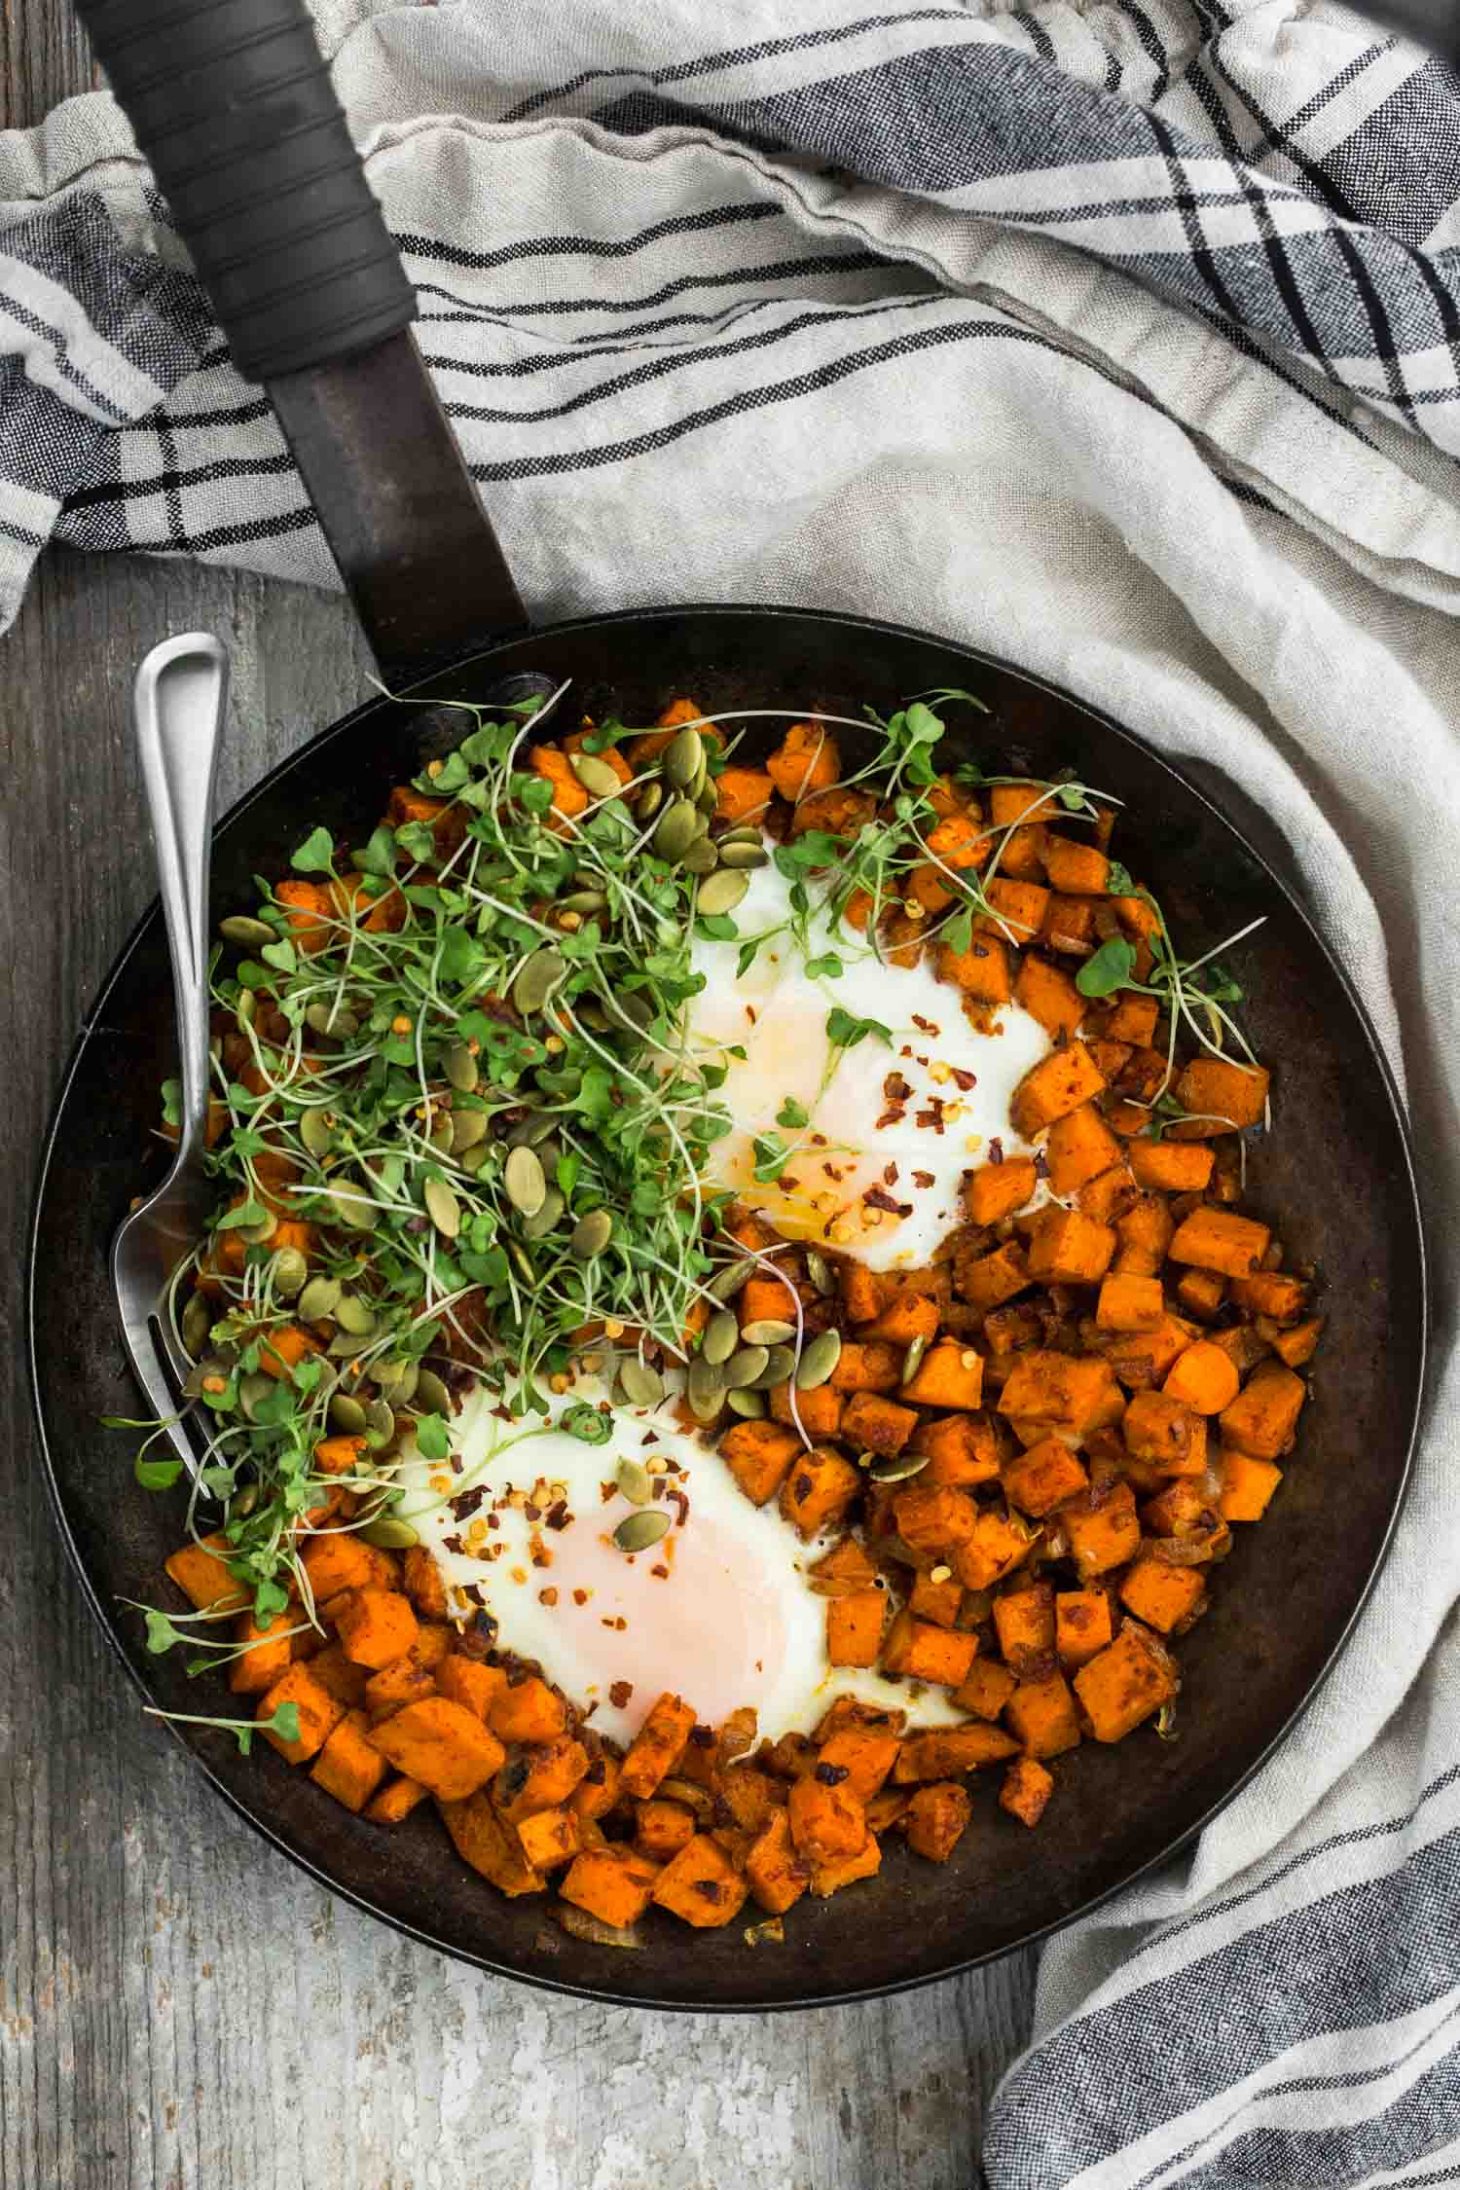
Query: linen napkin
x: 1119, y: 336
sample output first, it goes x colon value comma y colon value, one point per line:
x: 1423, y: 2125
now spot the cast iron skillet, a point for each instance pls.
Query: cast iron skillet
x: 1336, y: 1177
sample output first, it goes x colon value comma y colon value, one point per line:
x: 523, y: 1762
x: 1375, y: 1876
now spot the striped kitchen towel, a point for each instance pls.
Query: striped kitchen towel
x: 1117, y: 336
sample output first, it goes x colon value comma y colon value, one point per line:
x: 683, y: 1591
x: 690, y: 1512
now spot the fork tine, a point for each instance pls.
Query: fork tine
x: 149, y: 1366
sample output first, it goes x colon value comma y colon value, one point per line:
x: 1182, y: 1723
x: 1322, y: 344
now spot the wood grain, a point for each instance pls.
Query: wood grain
x: 179, y: 2006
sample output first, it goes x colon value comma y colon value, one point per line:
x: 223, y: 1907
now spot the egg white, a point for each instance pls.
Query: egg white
x: 719, y: 1611
x: 914, y: 1150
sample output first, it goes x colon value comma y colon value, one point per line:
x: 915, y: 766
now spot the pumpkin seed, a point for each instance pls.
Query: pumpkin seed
x: 210, y: 1365
x: 352, y: 1207
x: 722, y: 1336
x: 744, y: 1366
x: 677, y: 829
x: 683, y: 758
x: 249, y: 933
x: 332, y: 1020
x: 748, y: 1404
x: 583, y: 901
x: 821, y: 1274
x: 317, y: 1132
x: 704, y: 1383
x: 379, y: 1425
x: 641, y: 1385
x: 461, y: 1068
x: 818, y: 1360
x: 545, y: 1220
x: 289, y: 1271
x: 431, y: 1393
x: 522, y: 1262
x: 648, y: 801
x: 318, y: 1299
x: 442, y: 1207
x: 537, y: 977
x: 768, y: 1331
x: 742, y: 857
x: 346, y: 1344
x: 639, y: 1530
x: 251, y: 1389
x: 197, y: 1322
x: 706, y: 798
x: 244, y: 1011
x: 354, y: 1314
x: 912, y: 1360
x: 525, y: 1181
x: 390, y: 1533
x: 397, y: 1380
x: 245, y: 1502
x: 441, y: 1133
x: 596, y: 776
x: 467, y: 1128
x: 721, y: 893
x: 780, y: 1363
x: 591, y: 1234
x: 533, y: 1131
x: 476, y: 1158
x: 630, y: 1009
x: 347, y: 1415
x: 635, y: 1482
x: 896, y: 1467
x: 730, y: 1282
x: 702, y: 858
x: 259, y: 1235
x: 744, y: 832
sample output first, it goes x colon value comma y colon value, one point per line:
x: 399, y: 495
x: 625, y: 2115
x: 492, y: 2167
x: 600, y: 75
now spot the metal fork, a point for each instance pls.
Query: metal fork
x: 177, y: 708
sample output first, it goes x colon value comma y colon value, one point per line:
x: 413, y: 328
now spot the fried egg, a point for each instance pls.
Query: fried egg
x: 891, y: 1125
x: 521, y: 1524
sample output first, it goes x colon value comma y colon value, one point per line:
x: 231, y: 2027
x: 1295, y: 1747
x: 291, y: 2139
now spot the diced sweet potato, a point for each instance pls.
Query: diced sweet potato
x: 1105, y: 1534
x: 996, y: 1190
x: 1049, y: 994
x: 1075, y: 1392
x: 945, y: 1752
x: 919, y: 1651
x: 349, y: 1767
x: 1144, y: 1231
x: 1220, y: 1095
x: 961, y: 1449
x: 337, y: 1559
x: 774, y: 1872
x: 905, y: 1319
x: 1026, y: 1790
x: 550, y: 1838
x: 1044, y: 1477
x: 1108, y: 1195
x: 935, y: 1819
x: 874, y: 1424
x: 347, y: 1683
x: 1058, y: 1084
x: 527, y: 1710
x: 468, y: 1681
x: 1262, y: 1418
x: 1165, y: 1432
x: 854, y: 1627
x: 1042, y: 1715
x: 866, y: 1752
x: 1141, y: 1359
x: 1168, y: 1598
x: 867, y: 1365
x: 612, y: 1883
x: 806, y: 760
x: 539, y: 1777
x: 938, y: 1601
x: 1013, y: 803
x: 319, y: 1712
x: 1129, y: 1681
x: 767, y: 1299
x: 818, y: 1490
x: 1083, y: 1625
x: 1016, y: 910
x: 202, y: 1576
x: 997, y: 1545
x: 758, y: 1455
x: 844, y: 1571
x: 1203, y: 1378
x: 986, y: 1689
x: 655, y: 1746
x: 830, y: 1877
x: 701, y: 1885
x: 742, y: 794
x: 1024, y: 1624
x: 827, y: 1819
x: 421, y: 1579
x: 933, y: 1519
x: 987, y: 1281
x: 1218, y: 1239
x: 597, y: 1791
x: 482, y: 1840
x: 266, y: 1654
x: 1271, y: 1293
x: 374, y: 1625
x: 1247, y: 1486
x: 1170, y: 1167
x: 395, y: 1685
x: 820, y: 1410
x: 1067, y: 1248
x: 661, y: 1829
x: 981, y: 972
x: 1079, y: 1147
x: 338, y: 1455
x: 442, y: 1744
x: 1129, y: 1303
x: 396, y: 1800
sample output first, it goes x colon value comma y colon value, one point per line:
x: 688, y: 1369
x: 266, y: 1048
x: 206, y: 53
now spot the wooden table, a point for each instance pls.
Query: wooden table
x: 178, y: 2006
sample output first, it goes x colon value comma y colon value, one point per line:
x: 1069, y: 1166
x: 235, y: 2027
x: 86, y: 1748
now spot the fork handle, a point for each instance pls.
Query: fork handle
x: 177, y: 705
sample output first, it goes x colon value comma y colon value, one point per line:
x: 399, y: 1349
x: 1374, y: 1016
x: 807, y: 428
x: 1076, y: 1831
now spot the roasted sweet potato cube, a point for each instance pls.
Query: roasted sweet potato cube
x: 468, y: 1681
x: 865, y: 1293
x: 844, y: 1571
x: 375, y: 1626
x: 981, y: 972
x: 1203, y: 1378
x: 337, y: 1559
x: 527, y: 1710
x: 996, y: 1190
x: 550, y: 1838
x: 395, y: 1801
x: 949, y: 1375
x: 986, y: 1688
x: 987, y: 1281
x: 1220, y: 1096
x: 1129, y: 1303
x: 865, y: 1752
x: 201, y: 1574
x: 1042, y: 1715
x: 347, y: 1683
x: 1049, y: 995
x: 1026, y: 1790
x: 656, y: 1745
x: 1108, y: 1195
x: 1218, y: 1239
x: 741, y: 795
x: 907, y: 1318
x: 395, y: 1685
x: 1168, y: 1598
x: 827, y: 1818
x: 611, y: 1883
x: 997, y: 1545
x: 1066, y: 1248
x: 854, y: 1627
x: 266, y: 1652
x: 748, y: 1794
x: 662, y: 1828
x: 1058, y: 1084
x: 944, y: 1752
x: 1272, y: 1293
x: 1168, y: 1434
x: 701, y: 1885
x: 830, y: 1877
x: 1024, y: 1624
x: 1080, y: 870
x: 1141, y: 1359
x: 868, y: 1365
x: 1144, y: 1231
x: 319, y: 1712
x: 598, y: 1790
x: 349, y: 1767
x: 818, y: 1490
x: 421, y: 1579
x: 1201, y: 1294
x: 1079, y: 1147
x: 1247, y: 1486
x: 1016, y: 911
x: 806, y: 760
x: 1170, y: 1167
x: 821, y: 1413
x: 539, y: 1777
x: 442, y: 1744
x: 960, y: 1448
x: 1263, y: 1417
x: 933, y: 1519
x: 919, y: 1651
x: 1076, y: 1392
x: 758, y: 1455
x: 1102, y: 1535
x: 938, y: 1601
x: 1126, y: 1683
x: 774, y: 1872
x: 1044, y: 1477
x: 935, y: 1819
x: 481, y: 1839
x: 874, y: 1424
x: 1083, y: 1625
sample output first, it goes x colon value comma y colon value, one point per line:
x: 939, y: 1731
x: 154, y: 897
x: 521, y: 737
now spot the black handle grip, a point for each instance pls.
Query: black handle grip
x: 232, y: 104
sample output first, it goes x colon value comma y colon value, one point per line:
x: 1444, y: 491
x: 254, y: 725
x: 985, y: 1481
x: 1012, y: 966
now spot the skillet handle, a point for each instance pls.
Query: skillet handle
x: 232, y: 104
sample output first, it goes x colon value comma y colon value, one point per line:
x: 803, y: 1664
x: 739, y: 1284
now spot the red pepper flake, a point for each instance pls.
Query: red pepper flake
x: 996, y: 1151
x: 931, y: 1119
x: 660, y: 1573
x: 619, y: 1694
x: 607, y: 1491
x: 831, y: 1775
x: 558, y: 1515
x: 494, y: 1520
x: 702, y: 1737
x: 547, y: 1596
x: 454, y: 1543
x: 895, y: 1088
x: 889, y: 1175
x: 963, y: 1078
x: 465, y: 1503
x: 580, y: 1596
x: 877, y: 1197
x: 618, y: 1624
x: 681, y: 1499
x: 926, y: 1025
x: 533, y: 1513
x: 924, y: 1179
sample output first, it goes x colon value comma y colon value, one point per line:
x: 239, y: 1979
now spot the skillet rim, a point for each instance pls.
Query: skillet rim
x: 1414, y: 1209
